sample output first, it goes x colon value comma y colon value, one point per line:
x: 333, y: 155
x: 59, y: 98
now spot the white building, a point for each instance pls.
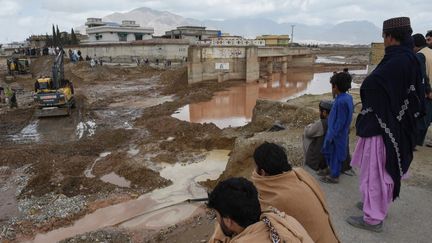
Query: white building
x: 108, y: 32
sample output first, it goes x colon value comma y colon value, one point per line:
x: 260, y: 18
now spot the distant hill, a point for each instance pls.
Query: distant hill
x: 350, y: 32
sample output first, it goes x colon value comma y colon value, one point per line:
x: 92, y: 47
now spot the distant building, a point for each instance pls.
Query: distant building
x: 109, y: 32
x: 40, y: 41
x: 275, y: 40
x: 227, y: 40
x: 376, y: 55
x: 192, y: 33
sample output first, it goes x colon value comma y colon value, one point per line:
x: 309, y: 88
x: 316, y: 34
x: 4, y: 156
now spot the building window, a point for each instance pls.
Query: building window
x: 122, y: 36
x: 138, y: 36
x: 98, y: 37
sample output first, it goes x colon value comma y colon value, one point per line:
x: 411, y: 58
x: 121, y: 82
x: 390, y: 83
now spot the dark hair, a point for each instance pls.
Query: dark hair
x: 419, y: 40
x: 236, y: 198
x: 342, y: 81
x: 429, y: 33
x: 400, y: 34
x: 271, y: 158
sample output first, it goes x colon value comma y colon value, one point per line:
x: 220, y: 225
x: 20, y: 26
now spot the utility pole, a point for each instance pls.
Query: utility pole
x: 292, y: 33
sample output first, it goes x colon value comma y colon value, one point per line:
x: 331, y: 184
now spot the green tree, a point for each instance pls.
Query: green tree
x: 74, y: 40
x: 49, y: 41
x: 59, y: 38
x: 54, y: 37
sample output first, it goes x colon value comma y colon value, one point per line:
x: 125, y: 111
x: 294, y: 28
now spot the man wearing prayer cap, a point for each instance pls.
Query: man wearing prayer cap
x: 392, y: 99
x: 313, y: 138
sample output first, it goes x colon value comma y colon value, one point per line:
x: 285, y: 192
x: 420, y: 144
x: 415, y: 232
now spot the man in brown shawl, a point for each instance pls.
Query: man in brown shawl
x: 240, y: 219
x: 293, y: 191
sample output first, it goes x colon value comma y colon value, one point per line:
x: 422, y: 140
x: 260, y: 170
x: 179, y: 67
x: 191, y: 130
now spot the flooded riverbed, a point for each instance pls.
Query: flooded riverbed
x: 234, y: 106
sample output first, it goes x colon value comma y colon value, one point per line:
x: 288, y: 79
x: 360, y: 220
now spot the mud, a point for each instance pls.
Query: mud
x: 124, y: 111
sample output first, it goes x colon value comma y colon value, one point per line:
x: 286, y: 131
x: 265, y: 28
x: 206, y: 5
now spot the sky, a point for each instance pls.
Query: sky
x: 22, y: 18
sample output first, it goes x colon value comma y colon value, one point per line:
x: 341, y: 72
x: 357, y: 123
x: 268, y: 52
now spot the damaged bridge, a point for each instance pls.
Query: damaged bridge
x: 242, y: 62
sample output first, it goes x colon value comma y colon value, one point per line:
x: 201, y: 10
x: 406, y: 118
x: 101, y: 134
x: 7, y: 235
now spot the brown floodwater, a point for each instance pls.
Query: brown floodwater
x: 130, y: 214
x: 234, y: 106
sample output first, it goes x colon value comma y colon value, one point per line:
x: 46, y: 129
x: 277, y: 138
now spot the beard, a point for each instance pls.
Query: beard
x: 225, y: 229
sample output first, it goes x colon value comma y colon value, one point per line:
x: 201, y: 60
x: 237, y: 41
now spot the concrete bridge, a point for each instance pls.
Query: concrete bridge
x: 242, y: 62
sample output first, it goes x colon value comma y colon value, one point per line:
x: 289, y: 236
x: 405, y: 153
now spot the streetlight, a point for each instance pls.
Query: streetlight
x: 292, y: 33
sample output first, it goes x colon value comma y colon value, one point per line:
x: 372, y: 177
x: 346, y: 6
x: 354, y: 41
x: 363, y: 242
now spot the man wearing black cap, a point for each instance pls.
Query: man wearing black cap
x: 424, y: 55
x: 429, y: 38
x: 392, y: 99
x: 313, y: 139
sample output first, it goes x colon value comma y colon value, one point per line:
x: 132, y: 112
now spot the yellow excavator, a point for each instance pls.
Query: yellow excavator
x: 18, y: 65
x: 54, y: 96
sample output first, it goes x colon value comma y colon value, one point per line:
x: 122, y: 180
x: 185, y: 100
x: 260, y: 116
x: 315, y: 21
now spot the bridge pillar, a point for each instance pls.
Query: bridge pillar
x: 195, y: 66
x: 269, y: 65
x: 283, y: 80
x: 252, y: 64
x: 284, y: 65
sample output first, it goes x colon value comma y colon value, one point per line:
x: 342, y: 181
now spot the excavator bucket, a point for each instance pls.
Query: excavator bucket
x: 52, y: 111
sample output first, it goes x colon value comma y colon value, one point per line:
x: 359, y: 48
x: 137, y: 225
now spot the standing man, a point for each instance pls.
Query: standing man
x: 429, y: 39
x: 392, y: 97
x: 424, y: 55
x: 336, y: 139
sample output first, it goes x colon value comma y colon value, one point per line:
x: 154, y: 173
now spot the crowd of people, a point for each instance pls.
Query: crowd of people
x: 285, y: 204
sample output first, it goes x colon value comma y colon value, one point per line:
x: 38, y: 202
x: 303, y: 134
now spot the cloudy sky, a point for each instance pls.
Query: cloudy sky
x: 21, y: 18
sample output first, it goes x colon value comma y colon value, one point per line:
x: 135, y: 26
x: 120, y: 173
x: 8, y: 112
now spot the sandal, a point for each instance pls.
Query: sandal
x: 329, y: 180
x: 323, y: 172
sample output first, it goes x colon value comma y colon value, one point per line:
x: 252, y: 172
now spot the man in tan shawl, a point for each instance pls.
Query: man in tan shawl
x: 240, y: 219
x: 293, y: 191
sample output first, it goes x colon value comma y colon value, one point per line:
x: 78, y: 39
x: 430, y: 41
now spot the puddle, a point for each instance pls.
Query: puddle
x: 184, y: 178
x: 115, y: 179
x: 89, y: 172
x: 133, y: 151
x: 88, y: 128
x: 28, y: 134
x: 234, y: 106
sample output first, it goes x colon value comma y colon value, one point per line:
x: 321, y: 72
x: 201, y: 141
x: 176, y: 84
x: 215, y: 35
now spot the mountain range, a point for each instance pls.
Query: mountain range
x: 348, y: 32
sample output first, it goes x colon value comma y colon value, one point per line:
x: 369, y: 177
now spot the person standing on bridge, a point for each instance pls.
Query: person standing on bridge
x: 392, y: 99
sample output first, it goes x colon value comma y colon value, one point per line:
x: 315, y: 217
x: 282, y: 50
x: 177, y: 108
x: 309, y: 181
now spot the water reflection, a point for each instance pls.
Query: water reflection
x: 234, y: 106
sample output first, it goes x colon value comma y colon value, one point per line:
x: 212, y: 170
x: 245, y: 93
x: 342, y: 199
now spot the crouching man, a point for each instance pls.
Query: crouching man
x: 239, y: 217
x: 292, y: 190
x: 313, y: 139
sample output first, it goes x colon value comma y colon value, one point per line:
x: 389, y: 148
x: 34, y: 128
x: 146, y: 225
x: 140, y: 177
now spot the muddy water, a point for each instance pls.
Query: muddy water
x: 47, y: 130
x: 115, y: 179
x: 184, y: 178
x: 89, y: 171
x: 234, y: 107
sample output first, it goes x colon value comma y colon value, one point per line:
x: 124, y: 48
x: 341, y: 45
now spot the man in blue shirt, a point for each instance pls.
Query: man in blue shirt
x: 339, y: 121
